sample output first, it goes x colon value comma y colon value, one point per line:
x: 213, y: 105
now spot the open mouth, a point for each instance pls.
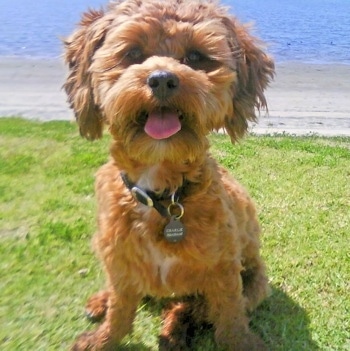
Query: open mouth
x: 163, y: 123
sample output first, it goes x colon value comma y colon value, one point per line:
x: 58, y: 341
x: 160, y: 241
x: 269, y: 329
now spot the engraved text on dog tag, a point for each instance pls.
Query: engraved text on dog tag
x: 174, y: 231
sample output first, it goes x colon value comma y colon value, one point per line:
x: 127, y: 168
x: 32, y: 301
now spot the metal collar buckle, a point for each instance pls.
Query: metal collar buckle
x: 142, y: 196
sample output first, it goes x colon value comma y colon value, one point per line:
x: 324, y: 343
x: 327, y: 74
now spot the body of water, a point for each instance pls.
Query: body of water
x: 316, y: 31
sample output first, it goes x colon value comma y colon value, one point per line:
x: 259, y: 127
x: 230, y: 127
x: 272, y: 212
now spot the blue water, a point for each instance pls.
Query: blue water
x: 315, y: 31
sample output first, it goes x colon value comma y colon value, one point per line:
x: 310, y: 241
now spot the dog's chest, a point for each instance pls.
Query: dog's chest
x: 161, y: 263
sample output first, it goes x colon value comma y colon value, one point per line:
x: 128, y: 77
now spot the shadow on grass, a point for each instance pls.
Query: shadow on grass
x: 283, y: 324
x: 280, y: 321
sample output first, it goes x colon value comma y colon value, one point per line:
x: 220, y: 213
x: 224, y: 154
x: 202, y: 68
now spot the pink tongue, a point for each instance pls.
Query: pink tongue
x: 162, y: 124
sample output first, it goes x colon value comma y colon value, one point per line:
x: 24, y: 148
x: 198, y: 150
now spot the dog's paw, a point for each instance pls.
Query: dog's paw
x: 93, y: 341
x: 254, y: 343
x: 83, y: 343
x: 168, y: 344
x: 246, y: 342
x: 96, y: 306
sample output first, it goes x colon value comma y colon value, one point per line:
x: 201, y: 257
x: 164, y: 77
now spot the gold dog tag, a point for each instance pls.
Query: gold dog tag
x: 174, y: 231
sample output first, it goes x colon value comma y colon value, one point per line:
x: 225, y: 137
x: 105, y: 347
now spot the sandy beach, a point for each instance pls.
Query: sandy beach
x: 303, y: 99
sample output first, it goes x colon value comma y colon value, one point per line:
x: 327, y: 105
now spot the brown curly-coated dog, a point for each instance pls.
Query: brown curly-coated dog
x: 172, y: 223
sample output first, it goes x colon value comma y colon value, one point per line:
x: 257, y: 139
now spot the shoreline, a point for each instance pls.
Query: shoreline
x: 305, y: 98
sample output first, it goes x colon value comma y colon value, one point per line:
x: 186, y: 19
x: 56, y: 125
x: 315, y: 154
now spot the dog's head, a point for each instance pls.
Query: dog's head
x: 163, y: 74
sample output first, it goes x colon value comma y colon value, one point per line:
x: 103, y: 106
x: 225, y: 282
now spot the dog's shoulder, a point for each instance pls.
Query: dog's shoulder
x: 108, y: 180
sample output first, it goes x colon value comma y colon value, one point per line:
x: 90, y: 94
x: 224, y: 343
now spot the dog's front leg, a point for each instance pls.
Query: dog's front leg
x: 118, y: 322
x: 227, y: 312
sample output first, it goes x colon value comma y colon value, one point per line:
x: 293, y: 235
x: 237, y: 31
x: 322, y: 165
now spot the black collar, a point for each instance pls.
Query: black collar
x: 152, y: 199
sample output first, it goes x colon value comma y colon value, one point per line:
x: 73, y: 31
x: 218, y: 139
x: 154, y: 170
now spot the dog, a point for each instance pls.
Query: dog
x: 172, y: 223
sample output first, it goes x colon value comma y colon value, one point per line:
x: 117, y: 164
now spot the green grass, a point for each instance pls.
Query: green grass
x: 47, y: 216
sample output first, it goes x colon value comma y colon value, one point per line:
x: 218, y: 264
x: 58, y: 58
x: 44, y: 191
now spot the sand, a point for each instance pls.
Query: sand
x: 33, y: 89
x: 303, y: 99
x: 308, y: 98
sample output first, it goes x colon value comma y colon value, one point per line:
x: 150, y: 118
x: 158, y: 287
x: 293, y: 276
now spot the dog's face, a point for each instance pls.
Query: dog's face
x: 163, y: 74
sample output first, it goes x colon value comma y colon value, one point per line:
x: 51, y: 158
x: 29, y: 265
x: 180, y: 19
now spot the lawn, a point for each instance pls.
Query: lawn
x: 47, y: 216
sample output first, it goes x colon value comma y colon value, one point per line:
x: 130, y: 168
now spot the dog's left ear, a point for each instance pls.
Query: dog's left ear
x: 255, y: 69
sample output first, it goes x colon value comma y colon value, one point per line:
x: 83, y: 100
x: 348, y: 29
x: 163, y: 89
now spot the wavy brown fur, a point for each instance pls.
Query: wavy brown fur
x: 216, y: 272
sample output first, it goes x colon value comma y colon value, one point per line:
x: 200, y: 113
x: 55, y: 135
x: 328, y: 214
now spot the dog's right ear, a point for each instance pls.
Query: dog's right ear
x: 79, y: 50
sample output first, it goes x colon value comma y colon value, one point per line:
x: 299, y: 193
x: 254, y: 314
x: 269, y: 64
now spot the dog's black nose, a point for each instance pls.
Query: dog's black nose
x: 163, y: 84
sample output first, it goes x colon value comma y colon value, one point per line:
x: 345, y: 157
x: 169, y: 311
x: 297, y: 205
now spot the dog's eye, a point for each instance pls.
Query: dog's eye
x: 135, y: 55
x: 199, y: 61
x: 194, y: 57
